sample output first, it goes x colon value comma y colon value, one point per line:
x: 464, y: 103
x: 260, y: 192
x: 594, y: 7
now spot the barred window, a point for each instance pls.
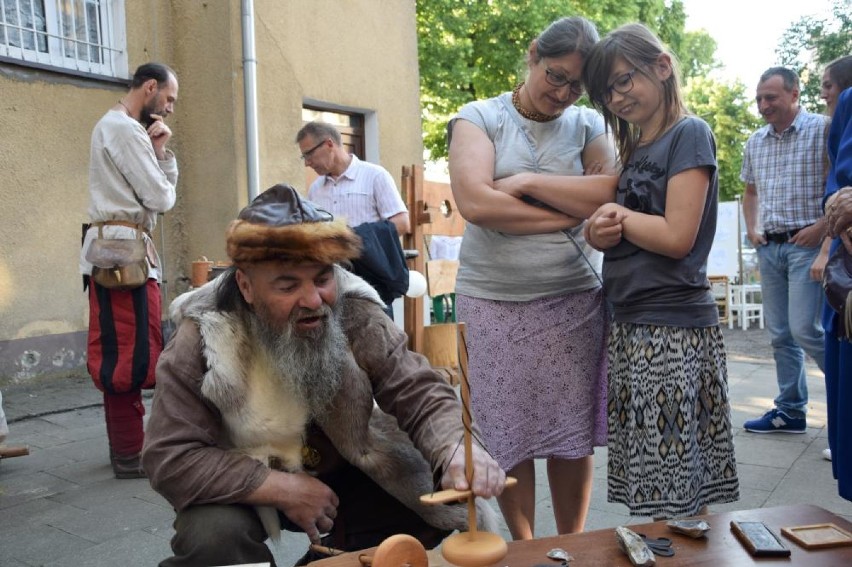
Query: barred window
x: 80, y: 35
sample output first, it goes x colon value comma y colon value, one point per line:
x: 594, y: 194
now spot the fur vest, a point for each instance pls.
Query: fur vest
x: 265, y: 419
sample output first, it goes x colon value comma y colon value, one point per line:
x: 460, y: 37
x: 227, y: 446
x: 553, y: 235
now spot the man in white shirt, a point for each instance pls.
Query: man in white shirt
x: 132, y: 178
x: 359, y: 191
x: 348, y: 187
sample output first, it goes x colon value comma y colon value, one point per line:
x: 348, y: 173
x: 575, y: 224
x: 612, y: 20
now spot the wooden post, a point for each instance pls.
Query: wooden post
x: 412, y: 190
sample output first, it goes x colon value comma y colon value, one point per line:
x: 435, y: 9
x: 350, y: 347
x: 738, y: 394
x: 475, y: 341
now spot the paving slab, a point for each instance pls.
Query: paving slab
x: 40, y: 545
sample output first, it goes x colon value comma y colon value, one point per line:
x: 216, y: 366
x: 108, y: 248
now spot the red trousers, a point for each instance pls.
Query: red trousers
x: 123, y: 413
x: 125, y: 340
x: 125, y: 337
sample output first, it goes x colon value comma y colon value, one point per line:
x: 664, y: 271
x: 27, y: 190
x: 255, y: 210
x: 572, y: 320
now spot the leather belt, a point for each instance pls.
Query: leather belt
x: 128, y: 224
x: 782, y: 237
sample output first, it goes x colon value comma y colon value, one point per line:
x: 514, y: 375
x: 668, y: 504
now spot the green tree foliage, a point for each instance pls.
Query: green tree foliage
x: 725, y: 108
x: 697, y: 55
x: 810, y: 43
x: 476, y: 49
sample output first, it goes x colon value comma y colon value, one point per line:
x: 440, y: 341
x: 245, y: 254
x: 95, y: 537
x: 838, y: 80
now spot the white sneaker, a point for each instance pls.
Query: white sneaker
x: 826, y: 454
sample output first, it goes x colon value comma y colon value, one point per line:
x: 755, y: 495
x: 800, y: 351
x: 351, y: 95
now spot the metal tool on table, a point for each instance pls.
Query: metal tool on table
x: 661, y: 546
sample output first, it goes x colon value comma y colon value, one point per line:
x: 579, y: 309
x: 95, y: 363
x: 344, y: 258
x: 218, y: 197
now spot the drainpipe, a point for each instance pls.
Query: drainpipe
x: 250, y: 96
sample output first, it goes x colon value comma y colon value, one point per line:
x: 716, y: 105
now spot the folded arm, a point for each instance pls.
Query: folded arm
x: 153, y: 178
x: 673, y: 234
x: 472, y: 159
x: 575, y: 195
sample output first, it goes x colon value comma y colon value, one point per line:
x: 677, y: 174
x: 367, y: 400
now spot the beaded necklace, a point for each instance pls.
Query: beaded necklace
x: 530, y: 114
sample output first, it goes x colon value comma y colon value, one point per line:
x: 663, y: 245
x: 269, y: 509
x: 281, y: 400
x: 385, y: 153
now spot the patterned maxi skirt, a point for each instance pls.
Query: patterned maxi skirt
x: 670, y: 447
x: 538, y: 375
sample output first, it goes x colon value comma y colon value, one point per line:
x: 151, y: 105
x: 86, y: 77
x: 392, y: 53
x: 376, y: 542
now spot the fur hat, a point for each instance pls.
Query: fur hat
x: 279, y: 225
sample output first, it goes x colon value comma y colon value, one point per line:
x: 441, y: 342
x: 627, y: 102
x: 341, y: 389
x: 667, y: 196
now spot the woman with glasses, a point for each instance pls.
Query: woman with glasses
x: 670, y: 447
x: 527, y: 286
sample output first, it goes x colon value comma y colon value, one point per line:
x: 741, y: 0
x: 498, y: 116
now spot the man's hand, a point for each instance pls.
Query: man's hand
x: 757, y: 239
x: 159, y: 134
x: 810, y: 236
x: 307, y: 502
x: 488, y: 478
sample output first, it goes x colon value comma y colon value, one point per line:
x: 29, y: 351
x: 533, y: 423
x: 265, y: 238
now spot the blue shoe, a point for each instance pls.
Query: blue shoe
x: 776, y: 421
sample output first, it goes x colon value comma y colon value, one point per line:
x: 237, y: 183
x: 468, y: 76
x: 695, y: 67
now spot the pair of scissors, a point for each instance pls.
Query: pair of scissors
x: 661, y: 546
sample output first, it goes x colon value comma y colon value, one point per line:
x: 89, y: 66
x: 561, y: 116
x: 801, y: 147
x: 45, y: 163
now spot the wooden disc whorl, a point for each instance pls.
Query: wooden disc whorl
x: 474, y: 549
x: 399, y: 550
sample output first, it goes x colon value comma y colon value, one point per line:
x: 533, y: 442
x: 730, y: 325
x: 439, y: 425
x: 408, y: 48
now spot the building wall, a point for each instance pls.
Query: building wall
x: 358, y: 54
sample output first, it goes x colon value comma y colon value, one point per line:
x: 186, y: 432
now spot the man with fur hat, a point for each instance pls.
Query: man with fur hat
x: 288, y: 396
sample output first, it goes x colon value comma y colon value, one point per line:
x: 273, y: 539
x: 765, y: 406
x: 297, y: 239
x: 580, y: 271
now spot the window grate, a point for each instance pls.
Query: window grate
x: 82, y: 35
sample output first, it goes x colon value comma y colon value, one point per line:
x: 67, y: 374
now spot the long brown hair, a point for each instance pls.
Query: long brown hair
x: 640, y: 48
x: 840, y: 72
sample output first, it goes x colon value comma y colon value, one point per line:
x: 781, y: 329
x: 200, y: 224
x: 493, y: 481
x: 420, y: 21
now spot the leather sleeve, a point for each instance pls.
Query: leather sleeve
x: 404, y: 384
x: 186, y: 454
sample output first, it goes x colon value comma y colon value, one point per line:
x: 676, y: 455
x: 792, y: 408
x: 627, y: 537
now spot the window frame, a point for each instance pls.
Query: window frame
x: 113, y: 64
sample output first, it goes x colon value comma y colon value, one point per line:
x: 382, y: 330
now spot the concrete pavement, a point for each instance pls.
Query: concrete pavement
x: 61, y: 506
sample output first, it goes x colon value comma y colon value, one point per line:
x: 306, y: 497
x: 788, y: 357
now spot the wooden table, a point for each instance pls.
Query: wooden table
x: 719, y: 549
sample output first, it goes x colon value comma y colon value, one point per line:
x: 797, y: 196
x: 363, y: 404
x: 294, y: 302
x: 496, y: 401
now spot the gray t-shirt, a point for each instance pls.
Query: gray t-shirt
x: 648, y: 288
x: 505, y: 267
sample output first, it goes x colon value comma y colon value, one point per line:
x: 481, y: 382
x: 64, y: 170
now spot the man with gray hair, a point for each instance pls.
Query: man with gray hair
x: 365, y: 195
x: 286, y: 397
x: 784, y: 170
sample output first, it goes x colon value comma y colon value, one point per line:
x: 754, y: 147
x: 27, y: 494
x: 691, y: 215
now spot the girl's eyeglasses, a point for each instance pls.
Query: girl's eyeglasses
x: 622, y: 84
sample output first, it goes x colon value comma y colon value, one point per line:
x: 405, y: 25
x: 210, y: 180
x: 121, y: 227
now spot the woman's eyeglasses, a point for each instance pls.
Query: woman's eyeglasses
x: 559, y: 80
x: 622, y: 84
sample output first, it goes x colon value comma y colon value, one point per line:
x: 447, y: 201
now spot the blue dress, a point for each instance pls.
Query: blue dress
x: 838, y: 352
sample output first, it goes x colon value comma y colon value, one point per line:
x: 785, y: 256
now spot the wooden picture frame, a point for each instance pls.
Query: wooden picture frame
x: 818, y: 536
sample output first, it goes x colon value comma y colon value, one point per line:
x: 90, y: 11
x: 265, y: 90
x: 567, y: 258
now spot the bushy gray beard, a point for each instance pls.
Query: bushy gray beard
x: 311, y: 362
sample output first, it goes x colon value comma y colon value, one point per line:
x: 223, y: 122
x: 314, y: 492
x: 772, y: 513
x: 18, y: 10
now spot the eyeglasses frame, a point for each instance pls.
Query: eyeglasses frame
x: 607, y: 96
x: 548, y: 73
x: 307, y: 155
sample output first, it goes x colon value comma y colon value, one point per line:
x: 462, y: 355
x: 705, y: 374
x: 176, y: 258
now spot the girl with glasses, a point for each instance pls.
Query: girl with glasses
x: 670, y: 445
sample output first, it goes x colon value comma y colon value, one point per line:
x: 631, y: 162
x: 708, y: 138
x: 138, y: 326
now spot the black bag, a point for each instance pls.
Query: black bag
x: 118, y: 263
x: 837, y: 282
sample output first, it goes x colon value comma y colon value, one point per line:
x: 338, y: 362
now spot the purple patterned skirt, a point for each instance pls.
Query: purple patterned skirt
x: 538, y: 375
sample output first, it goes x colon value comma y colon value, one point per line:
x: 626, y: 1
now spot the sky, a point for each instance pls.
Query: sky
x: 747, y: 31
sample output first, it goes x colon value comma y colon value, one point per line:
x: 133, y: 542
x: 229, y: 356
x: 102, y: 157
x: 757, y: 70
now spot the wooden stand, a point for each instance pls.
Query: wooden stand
x: 472, y: 548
